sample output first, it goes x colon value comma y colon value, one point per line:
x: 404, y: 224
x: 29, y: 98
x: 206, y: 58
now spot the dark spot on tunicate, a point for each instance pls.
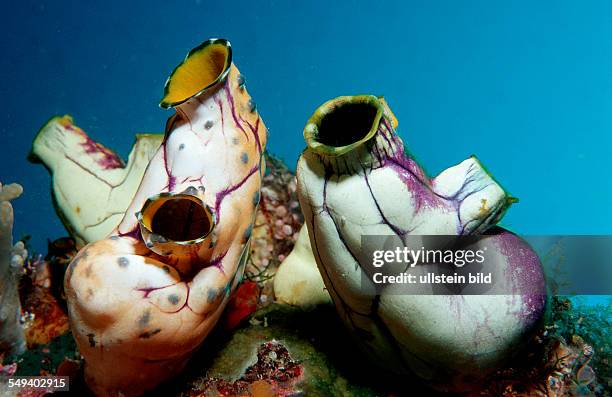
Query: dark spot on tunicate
x: 144, y: 319
x: 252, y: 105
x: 148, y: 334
x: 241, y: 81
x: 92, y: 340
x: 191, y: 190
x: 173, y: 298
x: 256, y: 198
x: 157, y: 238
x: 213, y: 294
x: 88, y: 271
x: 201, y: 188
x: 166, y: 269
x: 213, y: 240
x: 181, y: 146
x: 244, y: 157
x: 123, y: 261
x: 77, y: 260
x: 114, y: 238
x: 235, y: 141
x: 248, y: 232
x: 89, y: 293
x: 208, y: 125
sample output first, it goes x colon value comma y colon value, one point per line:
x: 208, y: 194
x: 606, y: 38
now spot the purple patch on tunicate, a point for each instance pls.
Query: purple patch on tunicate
x: 107, y: 159
x: 421, y: 192
x: 217, y: 262
x: 524, y: 272
x: 407, y: 169
x: 134, y: 233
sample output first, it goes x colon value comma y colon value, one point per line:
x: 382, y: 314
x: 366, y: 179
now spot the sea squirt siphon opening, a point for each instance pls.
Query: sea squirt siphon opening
x: 180, y: 218
x: 204, y: 67
x: 343, y: 123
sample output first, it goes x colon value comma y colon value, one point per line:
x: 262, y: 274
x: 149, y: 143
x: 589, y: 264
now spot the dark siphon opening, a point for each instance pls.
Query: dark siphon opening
x: 346, y: 124
x: 181, y: 220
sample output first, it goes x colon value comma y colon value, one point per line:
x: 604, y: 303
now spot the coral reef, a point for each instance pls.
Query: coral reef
x: 278, y: 221
x: 587, y: 329
x: 355, y: 178
x: 144, y: 299
x: 12, y: 259
x: 553, y: 366
x: 274, y: 374
x: 44, y: 311
x: 92, y: 186
x: 282, y: 351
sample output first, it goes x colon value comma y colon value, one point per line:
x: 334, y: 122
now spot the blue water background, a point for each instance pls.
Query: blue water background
x: 526, y: 86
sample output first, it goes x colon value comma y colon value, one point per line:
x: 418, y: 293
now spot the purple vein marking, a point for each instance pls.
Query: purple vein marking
x: 134, y: 233
x: 148, y: 291
x: 398, y: 231
x: 216, y: 262
x: 331, y: 216
x: 333, y: 291
x: 224, y: 193
x: 375, y: 302
x: 255, y: 131
x: 220, y: 104
x: 233, y: 109
x: 171, y: 178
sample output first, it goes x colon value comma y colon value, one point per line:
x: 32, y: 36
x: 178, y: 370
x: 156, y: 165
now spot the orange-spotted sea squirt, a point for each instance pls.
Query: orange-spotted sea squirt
x: 144, y: 298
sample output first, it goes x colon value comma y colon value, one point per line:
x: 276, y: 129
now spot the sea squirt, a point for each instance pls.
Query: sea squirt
x: 91, y: 185
x: 356, y: 178
x: 143, y: 299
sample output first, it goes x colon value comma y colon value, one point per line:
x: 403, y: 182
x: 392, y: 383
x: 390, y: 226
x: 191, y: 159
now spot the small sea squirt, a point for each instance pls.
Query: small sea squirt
x: 91, y: 185
x: 143, y: 299
x: 355, y: 178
